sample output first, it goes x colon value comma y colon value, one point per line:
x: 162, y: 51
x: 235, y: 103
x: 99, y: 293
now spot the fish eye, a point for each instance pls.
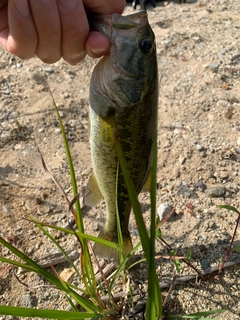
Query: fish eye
x: 146, y: 45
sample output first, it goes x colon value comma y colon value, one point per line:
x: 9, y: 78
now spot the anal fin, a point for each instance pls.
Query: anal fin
x: 147, y: 185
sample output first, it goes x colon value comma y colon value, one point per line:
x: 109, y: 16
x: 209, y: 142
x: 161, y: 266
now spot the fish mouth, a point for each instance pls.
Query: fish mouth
x: 129, y: 21
x: 106, y: 23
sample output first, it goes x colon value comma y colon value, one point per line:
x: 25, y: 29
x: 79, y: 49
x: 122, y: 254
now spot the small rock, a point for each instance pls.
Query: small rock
x: 73, y: 122
x: 167, y: 42
x: 20, y: 271
x: 38, y: 245
x: 236, y: 57
x: 57, y: 130
x: 216, y: 191
x: 238, y: 150
x: 212, y: 147
x: 178, y: 124
x: 58, y: 235
x: 95, y: 227
x: 199, y: 147
x: 45, y: 296
x: 214, y: 66
x: 48, y: 69
x: 211, y: 117
x: 205, y: 263
x: 163, y: 210
x: 38, y: 200
x: 55, y: 296
x: 238, y: 141
x: 202, y: 248
x: 66, y: 95
x: 224, y: 175
x: 67, y: 274
x: 18, y: 146
x: 203, y: 153
x: 199, y: 185
x: 211, y: 224
x: 175, y: 172
x: 181, y: 159
x: 186, y: 192
x: 28, y: 300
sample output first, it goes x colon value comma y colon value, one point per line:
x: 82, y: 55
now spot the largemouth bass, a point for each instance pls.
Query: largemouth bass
x: 123, y: 104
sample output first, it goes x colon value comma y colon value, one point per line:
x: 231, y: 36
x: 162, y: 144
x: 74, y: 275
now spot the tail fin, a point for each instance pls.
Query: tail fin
x: 103, y: 251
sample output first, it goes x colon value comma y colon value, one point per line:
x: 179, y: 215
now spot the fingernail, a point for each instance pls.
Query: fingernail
x: 98, y: 50
x: 68, y: 4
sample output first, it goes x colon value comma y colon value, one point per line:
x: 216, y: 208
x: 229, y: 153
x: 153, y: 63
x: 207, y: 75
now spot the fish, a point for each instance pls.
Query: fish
x: 123, y: 99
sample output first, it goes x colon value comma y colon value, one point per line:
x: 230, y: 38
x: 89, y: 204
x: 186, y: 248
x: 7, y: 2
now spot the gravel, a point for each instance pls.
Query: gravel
x: 198, y: 152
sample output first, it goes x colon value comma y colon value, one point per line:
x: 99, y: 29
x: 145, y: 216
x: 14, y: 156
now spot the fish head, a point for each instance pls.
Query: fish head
x: 131, y: 64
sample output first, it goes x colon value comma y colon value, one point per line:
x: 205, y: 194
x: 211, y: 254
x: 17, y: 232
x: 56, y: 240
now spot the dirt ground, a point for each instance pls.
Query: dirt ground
x: 198, y: 166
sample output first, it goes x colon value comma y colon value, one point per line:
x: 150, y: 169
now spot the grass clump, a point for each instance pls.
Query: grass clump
x: 90, y: 298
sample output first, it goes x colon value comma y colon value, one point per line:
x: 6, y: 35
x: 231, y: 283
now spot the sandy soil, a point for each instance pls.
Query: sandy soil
x: 199, y: 155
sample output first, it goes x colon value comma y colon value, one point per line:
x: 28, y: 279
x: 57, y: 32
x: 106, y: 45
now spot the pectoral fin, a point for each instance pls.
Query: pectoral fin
x: 93, y: 194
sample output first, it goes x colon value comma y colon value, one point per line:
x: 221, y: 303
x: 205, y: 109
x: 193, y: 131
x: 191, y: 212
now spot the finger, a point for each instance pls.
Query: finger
x: 105, y: 6
x: 21, y: 37
x: 96, y: 44
x: 75, y: 30
x: 48, y: 26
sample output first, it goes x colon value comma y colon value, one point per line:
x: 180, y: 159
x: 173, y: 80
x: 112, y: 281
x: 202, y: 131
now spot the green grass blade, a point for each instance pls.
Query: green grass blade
x: 71, y: 168
x: 31, y: 263
x: 236, y: 249
x: 43, y: 224
x: 154, y: 305
x: 48, y: 314
x: 18, y: 264
x: 176, y: 261
x: 134, y: 200
x: 80, y: 235
x: 154, y: 301
x: 119, y: 231
x: 229, y: 208
x: 87, y: 267
x: 99, y: 240
x: 122, y: 266
x: 88, y: 306
x: 74, y: 308
x: 58, y: 246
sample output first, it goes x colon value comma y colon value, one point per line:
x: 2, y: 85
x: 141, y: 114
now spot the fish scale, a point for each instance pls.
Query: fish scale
x: 123, y: 105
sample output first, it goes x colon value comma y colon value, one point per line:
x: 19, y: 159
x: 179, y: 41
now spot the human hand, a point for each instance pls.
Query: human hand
x: 53, y: 29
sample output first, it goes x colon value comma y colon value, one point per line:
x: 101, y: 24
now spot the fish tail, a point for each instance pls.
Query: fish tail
x: 103, y: 251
